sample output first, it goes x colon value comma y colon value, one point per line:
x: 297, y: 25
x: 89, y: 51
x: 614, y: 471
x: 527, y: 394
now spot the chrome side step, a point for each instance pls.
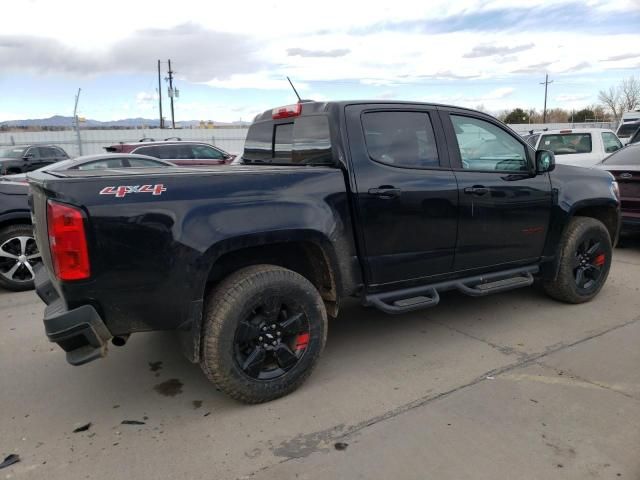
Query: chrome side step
x: 415, y: 298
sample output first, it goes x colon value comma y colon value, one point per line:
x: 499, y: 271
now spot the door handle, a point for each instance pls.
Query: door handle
x: 386, y: 192
x: 476, y: 190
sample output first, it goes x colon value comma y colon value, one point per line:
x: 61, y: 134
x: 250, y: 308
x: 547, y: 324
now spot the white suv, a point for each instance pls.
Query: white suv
x: 584, y: 147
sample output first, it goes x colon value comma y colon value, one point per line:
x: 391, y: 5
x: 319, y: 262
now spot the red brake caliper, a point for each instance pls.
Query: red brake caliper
x: 600, y: 259
x: 302, y: 341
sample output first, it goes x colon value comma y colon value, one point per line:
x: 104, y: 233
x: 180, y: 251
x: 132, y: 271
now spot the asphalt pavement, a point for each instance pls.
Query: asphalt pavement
x: 514, y: 385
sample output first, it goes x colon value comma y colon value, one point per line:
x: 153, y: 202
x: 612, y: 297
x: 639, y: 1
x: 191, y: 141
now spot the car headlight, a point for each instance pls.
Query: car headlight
x: 615, y: 189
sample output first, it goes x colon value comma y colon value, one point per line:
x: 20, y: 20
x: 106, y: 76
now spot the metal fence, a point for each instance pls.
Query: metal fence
x: 229, y: 139
x: 94, y: 141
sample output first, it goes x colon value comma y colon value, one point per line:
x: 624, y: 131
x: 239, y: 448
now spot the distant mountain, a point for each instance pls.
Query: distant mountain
x: 67, y: 122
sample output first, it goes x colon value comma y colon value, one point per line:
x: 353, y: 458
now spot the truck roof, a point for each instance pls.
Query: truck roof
x: 313, y: 107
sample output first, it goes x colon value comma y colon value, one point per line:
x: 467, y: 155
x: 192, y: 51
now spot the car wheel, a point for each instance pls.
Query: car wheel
x: 18, y: 256
x: 585, y: 260
x: 264, y: 329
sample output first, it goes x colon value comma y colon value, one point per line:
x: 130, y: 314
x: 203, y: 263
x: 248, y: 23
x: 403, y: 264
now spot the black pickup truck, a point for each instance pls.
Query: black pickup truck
x: 389, y: 202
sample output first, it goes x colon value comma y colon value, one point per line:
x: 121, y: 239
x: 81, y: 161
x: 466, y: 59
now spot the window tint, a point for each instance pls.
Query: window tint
x: 258, y: 146
x: 567, y: 143
x: 306, y: 140
x: 142, y: 162
x: 611, y: 142
x: 204, y: 151
x: 312, y: 143
x: 484, y: 146
x: 100, y: 164
x: 627, y: 156
x: 283, y: 142
x: 32, y: 153
x: 403, y: 139
x: 151, y: 151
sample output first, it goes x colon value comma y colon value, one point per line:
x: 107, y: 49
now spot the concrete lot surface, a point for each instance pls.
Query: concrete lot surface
x: 509, y: 386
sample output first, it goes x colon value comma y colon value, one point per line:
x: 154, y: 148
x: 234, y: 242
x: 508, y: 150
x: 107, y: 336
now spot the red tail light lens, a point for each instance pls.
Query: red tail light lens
x: 286, y: 112
x: 67, y: 242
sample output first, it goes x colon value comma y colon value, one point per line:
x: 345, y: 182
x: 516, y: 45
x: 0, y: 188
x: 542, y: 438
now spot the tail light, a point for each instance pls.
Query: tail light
x: 67, y: 241
x: 287, y: 111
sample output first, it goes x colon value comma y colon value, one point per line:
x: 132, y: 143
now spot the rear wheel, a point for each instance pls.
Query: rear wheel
x: 585, y: 260
x: 264, y: 329
x: 18, y: 256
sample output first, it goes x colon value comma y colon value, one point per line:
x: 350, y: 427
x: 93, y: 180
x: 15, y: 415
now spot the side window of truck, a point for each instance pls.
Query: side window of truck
x: 486, y: 147
x: 611, y: 142
x: 401, y: 139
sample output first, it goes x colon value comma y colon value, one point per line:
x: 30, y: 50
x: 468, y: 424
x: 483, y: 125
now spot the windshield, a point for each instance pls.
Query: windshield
x: 11, y: 152
x: 566, y: 143
x: 628, y: 129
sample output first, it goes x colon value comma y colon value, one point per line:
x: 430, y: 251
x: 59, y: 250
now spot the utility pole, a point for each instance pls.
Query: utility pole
x: 545, y: 83
x: 171, y: 95
x: 160, y: 96
x: 76, y: 122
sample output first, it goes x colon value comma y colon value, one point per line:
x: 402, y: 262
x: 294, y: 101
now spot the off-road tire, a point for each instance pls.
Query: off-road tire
x: 564, y: 287
x: 229, y: 302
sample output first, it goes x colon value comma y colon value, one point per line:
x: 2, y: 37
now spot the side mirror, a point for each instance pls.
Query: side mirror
x: 545, y: 161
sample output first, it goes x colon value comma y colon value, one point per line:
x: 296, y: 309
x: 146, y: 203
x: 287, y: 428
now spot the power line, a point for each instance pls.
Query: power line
x: 546, y: 84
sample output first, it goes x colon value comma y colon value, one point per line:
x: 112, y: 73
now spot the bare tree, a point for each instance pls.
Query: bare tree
x: 630, y: 94
x: 611, y: 100
x: 623, y: 98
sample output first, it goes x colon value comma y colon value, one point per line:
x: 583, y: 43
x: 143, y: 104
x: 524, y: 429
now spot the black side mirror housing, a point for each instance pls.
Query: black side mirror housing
x: 545, y: 161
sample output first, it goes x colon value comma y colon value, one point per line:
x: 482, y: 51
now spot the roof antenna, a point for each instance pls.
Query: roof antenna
x: 294, y: 90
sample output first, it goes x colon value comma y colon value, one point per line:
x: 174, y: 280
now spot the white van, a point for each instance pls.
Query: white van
x: 584, y: 147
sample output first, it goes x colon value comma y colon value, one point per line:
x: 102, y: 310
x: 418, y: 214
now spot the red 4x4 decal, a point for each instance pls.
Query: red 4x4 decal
x: 124, y: 190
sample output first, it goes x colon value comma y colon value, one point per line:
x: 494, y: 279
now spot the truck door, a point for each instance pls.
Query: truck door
x: 504, y: 207
x: 405, y: 193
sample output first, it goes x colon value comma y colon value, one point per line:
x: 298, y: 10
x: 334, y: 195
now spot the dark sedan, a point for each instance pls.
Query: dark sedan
x: 18, y: 250
x: 625, y: 166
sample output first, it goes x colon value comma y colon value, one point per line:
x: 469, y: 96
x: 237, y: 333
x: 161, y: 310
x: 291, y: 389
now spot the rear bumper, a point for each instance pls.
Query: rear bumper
x: 80, y: 332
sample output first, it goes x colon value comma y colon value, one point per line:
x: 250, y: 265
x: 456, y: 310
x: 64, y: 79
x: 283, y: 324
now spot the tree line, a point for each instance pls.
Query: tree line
x: 614, y: 101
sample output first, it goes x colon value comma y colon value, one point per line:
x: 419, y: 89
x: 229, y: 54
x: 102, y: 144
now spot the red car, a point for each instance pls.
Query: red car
x: 625, y: 166
x: 176, y: 151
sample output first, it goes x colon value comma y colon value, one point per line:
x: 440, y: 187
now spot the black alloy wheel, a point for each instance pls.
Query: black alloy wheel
x: 272, y: 339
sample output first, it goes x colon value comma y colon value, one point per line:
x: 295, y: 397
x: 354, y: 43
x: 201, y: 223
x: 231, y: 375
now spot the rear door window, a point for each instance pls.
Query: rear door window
x: 567, y: 143
x: 150, y: 151
x: 401, y: 139
x: 206, y: 152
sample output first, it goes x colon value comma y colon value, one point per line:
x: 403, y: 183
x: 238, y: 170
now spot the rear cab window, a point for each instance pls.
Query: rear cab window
x: 567, y: 143
x: 303, y: 140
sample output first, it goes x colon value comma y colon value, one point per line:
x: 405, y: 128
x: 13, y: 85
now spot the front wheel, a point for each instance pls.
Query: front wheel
x: 585, y: 259
x: 264, y: 329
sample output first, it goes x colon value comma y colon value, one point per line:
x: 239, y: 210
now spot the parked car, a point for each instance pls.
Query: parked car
x: 624, y: 165
x: 389, y: 202
x: 635, y: 138
x: 583, y: 147
x: 18, y: 251
x: 29, y: 158
x: 629, y: 123
x: 177, y: 151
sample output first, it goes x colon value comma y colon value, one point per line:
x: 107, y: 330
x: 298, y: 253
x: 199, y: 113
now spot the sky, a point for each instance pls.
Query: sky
x: 231, y: 58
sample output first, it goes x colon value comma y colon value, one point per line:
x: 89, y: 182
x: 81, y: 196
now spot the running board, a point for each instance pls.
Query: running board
x: 416, y: 298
